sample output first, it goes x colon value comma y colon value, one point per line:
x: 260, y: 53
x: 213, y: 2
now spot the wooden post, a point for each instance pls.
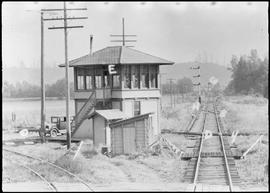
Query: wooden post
x: 67, y: 79
x: 78, y: 150
x: 42, y: 83
x: 259, y: 139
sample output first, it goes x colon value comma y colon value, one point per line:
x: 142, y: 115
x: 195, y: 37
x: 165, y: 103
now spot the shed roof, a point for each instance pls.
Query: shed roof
x: 117, y: 55
x: 130, y: 119
x: 110, y: 114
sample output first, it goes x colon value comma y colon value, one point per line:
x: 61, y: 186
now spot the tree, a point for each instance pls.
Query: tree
x: 249, y: 75
x: 184, y: 85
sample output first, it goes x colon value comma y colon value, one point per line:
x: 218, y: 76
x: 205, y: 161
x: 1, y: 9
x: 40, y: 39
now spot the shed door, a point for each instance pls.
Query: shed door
x: 129, y: 138
x: 117, y: 140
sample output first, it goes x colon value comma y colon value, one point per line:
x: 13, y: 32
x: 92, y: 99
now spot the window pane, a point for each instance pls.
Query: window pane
x: 116, y: 81
x: 136, y: 77
x: 127, y: 76
x: 98, y: 81
x: 137, y: 108
x: 89, y: 82
x: 106, y: 81
x: 153, y: 81
x: 145, y: 76
x: 80, y: 82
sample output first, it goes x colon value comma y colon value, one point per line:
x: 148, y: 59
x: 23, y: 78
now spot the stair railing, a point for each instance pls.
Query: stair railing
x: 83, y: 109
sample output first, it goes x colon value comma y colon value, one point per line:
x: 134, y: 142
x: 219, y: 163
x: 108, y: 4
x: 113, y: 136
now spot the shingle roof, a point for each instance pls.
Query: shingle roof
x: 110, y: 114
x: 117, y: 55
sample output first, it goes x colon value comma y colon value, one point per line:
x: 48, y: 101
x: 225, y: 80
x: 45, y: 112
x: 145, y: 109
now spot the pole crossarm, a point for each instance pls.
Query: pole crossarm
x: 124, y: 35
x: 64, y: 9
x: 195, y: 68
x: 122, y: 40
x: 65, y: 27
x: 61, y: 18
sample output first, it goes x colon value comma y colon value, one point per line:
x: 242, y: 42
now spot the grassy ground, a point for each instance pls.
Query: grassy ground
x: 242, y: 114
x: 175, y: 117
x: 99, y: 169
x: 250, y: 114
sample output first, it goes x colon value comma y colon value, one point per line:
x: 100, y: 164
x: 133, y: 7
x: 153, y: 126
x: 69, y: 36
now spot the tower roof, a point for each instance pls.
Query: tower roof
x: 117, y: 55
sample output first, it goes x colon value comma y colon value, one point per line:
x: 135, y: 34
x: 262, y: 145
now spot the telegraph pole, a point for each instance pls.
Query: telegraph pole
x: 199, y: 83
x: 42, y: 132
x: 67, y: 79
x: 65, y: 18
x: 123, y: 35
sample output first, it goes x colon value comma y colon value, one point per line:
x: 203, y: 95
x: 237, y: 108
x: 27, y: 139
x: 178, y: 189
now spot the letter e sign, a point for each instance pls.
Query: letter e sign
x: 111, y: 69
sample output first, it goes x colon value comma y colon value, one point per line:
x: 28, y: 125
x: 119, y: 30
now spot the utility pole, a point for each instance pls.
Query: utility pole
x: 123, y: 35
x: 65, y: 18
x: 199, y: 83
x: 42, y: 132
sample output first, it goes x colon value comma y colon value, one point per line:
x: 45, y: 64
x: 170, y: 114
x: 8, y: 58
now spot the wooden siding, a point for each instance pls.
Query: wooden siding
x: 117, y: 140
x: 116, y: 105
x: 99, y: 94
x: 128, y: 107
x: 148, y: 106
x: 136, y: 93
x: 140, y: 134
x: 99, y: 131
x: 130, y: 137
x: 86, y: 128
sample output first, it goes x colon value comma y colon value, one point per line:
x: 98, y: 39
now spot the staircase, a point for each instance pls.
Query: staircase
x: 82, y: 114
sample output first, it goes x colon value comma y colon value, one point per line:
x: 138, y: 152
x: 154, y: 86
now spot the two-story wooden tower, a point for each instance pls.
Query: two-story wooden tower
x: 114, y: 78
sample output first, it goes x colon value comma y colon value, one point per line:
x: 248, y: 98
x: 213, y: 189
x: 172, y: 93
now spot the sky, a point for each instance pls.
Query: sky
x: 176, y: 31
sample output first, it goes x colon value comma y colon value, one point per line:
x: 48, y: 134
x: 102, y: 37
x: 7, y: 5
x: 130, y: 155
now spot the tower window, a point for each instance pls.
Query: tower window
x: 127, y: 76
x: 153, y: 76
x: 145, y: 76
x: 98, y: 81
x: 80, y: 79
x: 116, y: 81
x: 136, y: 76
x: 137, y: 108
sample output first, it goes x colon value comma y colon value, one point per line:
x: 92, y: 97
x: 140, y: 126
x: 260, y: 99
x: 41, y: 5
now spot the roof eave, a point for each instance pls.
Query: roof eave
x: 63, y: 65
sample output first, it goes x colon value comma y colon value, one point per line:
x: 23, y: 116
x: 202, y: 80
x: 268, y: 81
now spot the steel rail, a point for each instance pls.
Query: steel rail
x: 52, y: 187
x: 224, y: 152
x: 52, y: 164
x: 199, y: 154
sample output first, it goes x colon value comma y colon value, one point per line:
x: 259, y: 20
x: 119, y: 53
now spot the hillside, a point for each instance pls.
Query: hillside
x: 180, y: 70
x: 176, y: 71
x: 32, y: 75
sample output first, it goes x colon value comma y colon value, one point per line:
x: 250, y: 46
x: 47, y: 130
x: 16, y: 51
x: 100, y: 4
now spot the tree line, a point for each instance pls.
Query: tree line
x: 181, y: 86
x: 249, y: 75
x: 25, y: 89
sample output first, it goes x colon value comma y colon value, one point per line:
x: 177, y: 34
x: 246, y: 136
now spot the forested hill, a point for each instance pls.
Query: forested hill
x: 180, y: 70
x: 32, y: 75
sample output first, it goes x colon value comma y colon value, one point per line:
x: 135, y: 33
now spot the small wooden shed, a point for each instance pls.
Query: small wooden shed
x: 131, y: 135
x: 101, y: 121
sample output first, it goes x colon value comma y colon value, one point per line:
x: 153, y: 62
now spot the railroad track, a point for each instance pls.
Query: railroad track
x: 213, y: 164
x: 41, y: 176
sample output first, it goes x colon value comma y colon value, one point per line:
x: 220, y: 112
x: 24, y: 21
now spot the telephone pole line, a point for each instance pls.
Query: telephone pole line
x: 65, y: 18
